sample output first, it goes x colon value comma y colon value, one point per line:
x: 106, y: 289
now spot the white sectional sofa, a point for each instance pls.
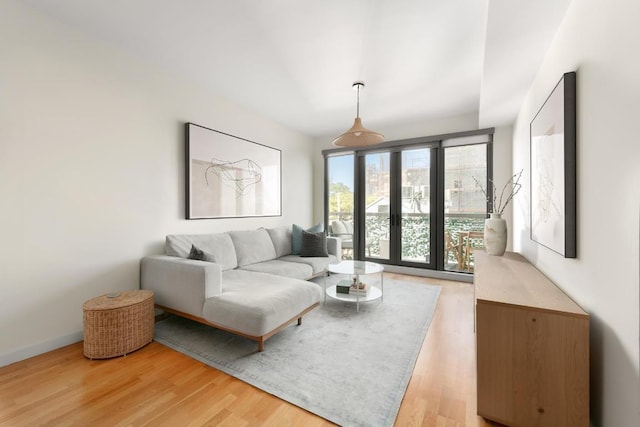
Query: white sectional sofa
x: 249, y: 282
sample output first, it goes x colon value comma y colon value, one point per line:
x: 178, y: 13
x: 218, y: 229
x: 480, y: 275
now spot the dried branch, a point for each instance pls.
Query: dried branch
x: 486, y: 196
x: 515, y: 188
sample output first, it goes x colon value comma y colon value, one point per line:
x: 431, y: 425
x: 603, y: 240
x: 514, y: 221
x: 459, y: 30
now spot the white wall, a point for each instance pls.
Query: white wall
x: 600, y: 40
x: 91, y: 173
x: 502, y: 173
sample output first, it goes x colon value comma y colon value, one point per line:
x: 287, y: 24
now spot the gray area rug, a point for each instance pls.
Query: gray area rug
x: 349, y: 368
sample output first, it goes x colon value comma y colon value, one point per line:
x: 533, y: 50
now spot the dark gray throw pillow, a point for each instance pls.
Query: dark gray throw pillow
x: 296, y: 236
x: 314, y: 244
x: 197, y: 254
x: 200, y: 255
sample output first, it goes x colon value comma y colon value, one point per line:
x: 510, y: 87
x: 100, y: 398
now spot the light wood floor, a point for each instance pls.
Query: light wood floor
x: 158, y: 386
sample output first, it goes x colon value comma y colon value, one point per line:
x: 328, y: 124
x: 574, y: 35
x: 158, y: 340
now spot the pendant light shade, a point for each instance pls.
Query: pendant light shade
x: 358, y: 135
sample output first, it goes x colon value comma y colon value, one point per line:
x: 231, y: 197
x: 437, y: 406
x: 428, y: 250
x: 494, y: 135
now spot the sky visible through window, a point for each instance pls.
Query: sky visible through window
x: 341, y: 170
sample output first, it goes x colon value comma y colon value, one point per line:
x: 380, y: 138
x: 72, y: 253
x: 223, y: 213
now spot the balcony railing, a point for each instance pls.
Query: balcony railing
x: 463, y: 233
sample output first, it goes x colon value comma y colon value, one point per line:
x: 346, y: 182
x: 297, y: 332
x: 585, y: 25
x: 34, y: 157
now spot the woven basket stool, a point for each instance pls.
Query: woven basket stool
x: 117, y: 324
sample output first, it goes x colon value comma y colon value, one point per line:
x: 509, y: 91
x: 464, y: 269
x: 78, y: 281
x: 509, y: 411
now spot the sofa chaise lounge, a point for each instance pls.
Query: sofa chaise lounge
x: 252, y: 282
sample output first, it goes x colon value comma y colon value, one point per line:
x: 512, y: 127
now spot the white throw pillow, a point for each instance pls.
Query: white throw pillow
x: 337, y: 227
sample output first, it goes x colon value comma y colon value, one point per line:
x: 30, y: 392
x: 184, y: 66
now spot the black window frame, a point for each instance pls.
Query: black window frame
x: 439, y: 143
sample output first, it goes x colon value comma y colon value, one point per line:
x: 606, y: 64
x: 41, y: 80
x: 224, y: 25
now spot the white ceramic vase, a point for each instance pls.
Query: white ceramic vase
x: 495, y: 234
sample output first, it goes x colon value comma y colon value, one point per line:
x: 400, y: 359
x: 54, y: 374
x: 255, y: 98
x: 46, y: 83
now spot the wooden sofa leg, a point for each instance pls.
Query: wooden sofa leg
x: 261, y: 345
x: 299, y: 321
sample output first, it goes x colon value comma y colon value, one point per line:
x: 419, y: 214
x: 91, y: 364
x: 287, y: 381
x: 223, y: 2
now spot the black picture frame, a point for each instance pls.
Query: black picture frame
x: 553, y: 170
x: 230, y: 177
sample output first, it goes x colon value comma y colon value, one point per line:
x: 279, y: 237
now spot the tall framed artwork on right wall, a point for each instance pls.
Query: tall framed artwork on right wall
x: 553, y: 170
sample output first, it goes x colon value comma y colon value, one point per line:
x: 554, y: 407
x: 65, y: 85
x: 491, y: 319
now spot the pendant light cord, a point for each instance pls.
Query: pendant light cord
x: 358, y: 104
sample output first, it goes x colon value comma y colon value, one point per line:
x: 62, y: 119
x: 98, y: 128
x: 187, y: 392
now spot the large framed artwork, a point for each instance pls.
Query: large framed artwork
x: 230, y: 177
x: 553, y: 170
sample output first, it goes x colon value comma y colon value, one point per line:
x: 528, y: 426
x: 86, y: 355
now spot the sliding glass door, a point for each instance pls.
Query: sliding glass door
x: 415, y: 206
x: 396, y: 206
x: 376, y: 206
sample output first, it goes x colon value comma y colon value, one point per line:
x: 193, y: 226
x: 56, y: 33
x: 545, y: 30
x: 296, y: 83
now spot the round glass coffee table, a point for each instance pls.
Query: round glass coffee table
x: 354, y: 269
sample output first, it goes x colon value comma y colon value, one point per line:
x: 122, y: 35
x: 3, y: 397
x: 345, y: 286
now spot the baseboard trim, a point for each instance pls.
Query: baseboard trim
x: 39, y: 348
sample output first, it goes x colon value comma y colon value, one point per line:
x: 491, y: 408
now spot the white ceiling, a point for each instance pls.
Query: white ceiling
x: 295, y: 60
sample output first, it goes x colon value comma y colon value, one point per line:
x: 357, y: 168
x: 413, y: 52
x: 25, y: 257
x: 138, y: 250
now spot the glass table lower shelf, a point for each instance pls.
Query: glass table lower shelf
x: 355, y: 269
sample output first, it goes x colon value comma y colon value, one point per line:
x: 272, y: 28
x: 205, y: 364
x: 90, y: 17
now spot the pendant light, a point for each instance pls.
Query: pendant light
x: 358, y: 135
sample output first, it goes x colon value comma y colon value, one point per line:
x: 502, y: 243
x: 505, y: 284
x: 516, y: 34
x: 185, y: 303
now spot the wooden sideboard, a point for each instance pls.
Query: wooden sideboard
x: 532, y: 346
